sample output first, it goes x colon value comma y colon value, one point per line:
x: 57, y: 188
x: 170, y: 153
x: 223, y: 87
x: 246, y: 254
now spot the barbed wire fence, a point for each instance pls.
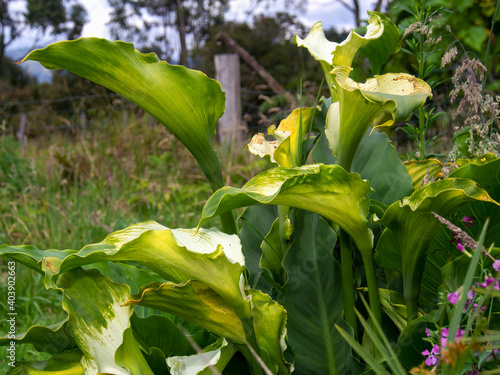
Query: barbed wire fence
x: 86, y: 113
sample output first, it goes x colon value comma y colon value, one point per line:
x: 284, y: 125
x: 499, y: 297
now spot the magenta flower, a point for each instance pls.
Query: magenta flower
x: 460, y: 247
x: 431, y: 359
x: 488, y: 281
x: 496, y: 265
x: 468, y: 220
x: 444, y: 335
x: 427, y: 332
x: 452, y: 297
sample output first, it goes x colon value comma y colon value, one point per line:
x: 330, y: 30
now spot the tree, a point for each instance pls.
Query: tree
x: 53, y: 17
x: 152, y: 24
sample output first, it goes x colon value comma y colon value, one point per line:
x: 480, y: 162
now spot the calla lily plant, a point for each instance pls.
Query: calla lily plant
x: 284, y: 294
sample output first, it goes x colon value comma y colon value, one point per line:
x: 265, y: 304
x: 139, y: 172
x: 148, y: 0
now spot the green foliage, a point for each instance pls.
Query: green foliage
x: 279, y: 295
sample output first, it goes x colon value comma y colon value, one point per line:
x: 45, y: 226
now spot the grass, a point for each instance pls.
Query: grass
x: 63, y: 192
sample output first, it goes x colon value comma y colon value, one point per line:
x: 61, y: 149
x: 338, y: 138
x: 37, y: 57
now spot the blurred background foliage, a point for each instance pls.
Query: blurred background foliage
x: 88, y: 162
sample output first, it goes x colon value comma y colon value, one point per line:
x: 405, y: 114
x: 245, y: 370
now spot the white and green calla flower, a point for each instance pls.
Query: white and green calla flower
x: 380, y: 101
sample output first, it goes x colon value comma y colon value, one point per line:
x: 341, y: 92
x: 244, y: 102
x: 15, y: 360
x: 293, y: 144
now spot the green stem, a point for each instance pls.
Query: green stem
x: 371, y: 281
x: 256, y: 368
x: 348, y: 281
x: 421, y: 124
x: 486, y: 60
x: 227, y: 218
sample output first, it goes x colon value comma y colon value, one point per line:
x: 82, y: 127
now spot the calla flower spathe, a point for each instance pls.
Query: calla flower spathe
x: 379, y: 42
x: 380, y: 101
x: 285, y: 149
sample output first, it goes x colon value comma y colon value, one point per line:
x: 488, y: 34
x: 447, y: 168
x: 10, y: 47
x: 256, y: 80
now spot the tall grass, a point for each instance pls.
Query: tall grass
x: 63, y: 192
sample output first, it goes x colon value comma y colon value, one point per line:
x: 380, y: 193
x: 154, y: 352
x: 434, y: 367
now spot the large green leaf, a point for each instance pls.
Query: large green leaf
x: 100, y: 324
x: 187, y: 102
x: 379, y: 101
x: 487, y: 175
x: 377, y: 161
x: 53, y: 339
x: 31, y: 256
x: 410, y: 227
x: 194, y: 302
x: 325, y: 189
x: 67, y: 363
x: 207, y: 255
x: 274, y: 248
x: 313, y: 300
x: 256, y: 222
x: 411, y: 344
x: 269, y: 321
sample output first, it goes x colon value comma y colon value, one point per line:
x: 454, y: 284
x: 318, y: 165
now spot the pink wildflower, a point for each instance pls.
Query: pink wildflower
x: 468, y: 220
x: 444, y: 335
x: 431, y: 359
x: 496, y: 265
x: 488, y: 281
x: 452, y: 297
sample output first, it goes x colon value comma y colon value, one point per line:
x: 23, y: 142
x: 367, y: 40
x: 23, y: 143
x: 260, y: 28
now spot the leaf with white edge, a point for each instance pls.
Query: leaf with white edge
x: 380, y: 101
x: 186, y: 101
x: 207, y: 255
x: 195, y: 302
x: 216, y: 355
x: 31, y: 256
x: 410, y: 227
x: 98, y: 322
x: 325, y: 189
x: 269, y: 321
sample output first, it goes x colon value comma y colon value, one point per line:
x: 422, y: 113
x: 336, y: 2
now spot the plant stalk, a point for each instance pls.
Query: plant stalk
x: 348, y: 281
x: 487, y: 57
x: 371, y: 281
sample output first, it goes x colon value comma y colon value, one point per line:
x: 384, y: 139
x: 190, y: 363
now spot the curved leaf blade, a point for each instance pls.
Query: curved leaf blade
x: 325, y: 189
x: 194, y: 302
x: 176, y: 96
x: 207, y: 255
x: 410, y: 227
x: 99, y: 322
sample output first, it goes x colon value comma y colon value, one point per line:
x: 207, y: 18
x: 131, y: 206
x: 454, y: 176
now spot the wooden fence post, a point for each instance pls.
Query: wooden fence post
x: 21, y: 133
x: 227, y: 72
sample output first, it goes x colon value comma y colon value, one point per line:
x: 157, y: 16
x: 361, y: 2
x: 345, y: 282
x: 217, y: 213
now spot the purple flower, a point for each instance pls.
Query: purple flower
x: 496, y: 265
x: 427, y: 332
x: 453, y: 297
x: 471, y: 294
x: 488, y: 281
x: 468, y: 220
x: 460, y: 247
x: 444, y: 335
x: 431, y: 359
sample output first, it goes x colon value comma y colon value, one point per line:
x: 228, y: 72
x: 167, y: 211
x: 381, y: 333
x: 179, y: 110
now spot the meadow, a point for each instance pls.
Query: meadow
x: 62, y: 191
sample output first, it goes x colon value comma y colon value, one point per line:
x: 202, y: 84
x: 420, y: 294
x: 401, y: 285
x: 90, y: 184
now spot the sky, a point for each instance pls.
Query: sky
x: 330, y: 12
